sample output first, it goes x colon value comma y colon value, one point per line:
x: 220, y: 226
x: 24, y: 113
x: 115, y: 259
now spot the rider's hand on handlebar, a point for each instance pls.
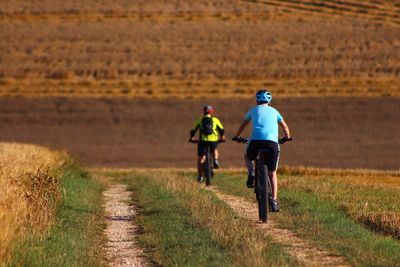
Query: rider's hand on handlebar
x: 240, y: 139
x: 222, y: 139
x: 285, y: 139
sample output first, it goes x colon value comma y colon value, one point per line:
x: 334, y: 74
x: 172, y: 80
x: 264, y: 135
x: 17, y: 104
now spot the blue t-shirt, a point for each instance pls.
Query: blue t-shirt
x: 265, y: 122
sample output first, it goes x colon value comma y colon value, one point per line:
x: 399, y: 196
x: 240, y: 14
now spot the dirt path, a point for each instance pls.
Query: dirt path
x: 121, y: 248
x: 297, y: 247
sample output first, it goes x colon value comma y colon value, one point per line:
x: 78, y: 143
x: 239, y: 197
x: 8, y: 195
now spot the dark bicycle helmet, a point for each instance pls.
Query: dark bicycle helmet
x: 207, y: 109
x: 263, y: 96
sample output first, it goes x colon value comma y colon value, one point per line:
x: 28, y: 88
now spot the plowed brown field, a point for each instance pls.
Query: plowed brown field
x: 337, y: 132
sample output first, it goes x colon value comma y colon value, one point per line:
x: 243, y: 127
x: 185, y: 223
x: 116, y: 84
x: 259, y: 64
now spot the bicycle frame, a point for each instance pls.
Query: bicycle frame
x: 262, y: 181
x: 208, y: 165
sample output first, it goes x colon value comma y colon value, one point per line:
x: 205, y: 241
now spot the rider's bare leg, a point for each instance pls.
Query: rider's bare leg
x: 215, y: 154
x: 273, y: 177
x: 200, y: 161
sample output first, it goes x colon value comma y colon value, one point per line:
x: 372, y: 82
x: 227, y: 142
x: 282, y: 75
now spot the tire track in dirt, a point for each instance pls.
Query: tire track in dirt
x: 121, y: 248
x: 303, y: 251
x: 371, y: 10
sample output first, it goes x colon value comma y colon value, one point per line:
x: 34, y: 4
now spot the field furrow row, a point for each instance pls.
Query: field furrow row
x: 336, y: 8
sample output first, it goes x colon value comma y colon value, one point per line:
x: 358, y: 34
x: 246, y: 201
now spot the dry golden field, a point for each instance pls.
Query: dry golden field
x: 369, y: 197
x: 191, y: 48
x: 29, y: 191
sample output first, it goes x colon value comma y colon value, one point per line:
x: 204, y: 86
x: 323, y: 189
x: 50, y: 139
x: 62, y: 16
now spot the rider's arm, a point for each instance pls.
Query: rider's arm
x: 221, y: 131
x: 220, y: 128
x: 242, y: 127
x: 194, y: 130
x: 285, y: 128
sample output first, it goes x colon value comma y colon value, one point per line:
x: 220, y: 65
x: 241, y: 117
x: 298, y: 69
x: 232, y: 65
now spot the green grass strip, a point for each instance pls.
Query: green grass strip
x: 168, y: 231
x: 186, y: 225
x: 322, y: 220
x: 76, y: 237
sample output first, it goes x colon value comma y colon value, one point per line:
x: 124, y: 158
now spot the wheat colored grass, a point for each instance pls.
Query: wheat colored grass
x: 29, y: 191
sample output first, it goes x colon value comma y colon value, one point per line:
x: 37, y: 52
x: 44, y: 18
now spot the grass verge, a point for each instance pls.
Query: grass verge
x: 76, y: 237
x: 326, y: 208
x: 30, y: 178
x: 166, y: 226
x: 183, y: 224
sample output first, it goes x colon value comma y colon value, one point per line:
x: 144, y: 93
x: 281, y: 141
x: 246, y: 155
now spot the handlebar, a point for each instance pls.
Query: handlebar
x: 240, y: 139
x: 284, y: 140
x: 246, y: 140
x: 197, y: 141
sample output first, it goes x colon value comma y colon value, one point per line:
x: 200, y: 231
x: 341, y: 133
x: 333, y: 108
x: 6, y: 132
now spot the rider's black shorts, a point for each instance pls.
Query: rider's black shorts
x: 202, y: 146
x: 272, y: 148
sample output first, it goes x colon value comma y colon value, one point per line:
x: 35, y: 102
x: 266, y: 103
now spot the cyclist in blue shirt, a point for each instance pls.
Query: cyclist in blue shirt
x: 265, y: 120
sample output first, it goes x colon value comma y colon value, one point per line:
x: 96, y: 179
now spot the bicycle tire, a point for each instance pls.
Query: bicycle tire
x: 208, y: 167
x: 269, y: 191
x: 256, y: 183
x: 263, y: 206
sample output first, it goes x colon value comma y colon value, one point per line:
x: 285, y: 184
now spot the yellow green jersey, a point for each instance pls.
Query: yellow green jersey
x: 217, y: 129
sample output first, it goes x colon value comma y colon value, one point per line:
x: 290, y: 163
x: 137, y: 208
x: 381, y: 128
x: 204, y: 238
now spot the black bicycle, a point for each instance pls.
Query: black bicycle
x: 208, y: 165
x: 262, y: 184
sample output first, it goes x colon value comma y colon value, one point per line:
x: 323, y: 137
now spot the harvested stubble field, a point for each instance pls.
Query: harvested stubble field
x: 336, y: 132
x: 179, y: 48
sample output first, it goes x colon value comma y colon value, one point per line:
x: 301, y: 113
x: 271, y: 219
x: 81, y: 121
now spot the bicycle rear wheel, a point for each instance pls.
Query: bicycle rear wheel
x: 256, y: 180
x: 263, y: 191
x: 269, y: 191
x: 208, y: 167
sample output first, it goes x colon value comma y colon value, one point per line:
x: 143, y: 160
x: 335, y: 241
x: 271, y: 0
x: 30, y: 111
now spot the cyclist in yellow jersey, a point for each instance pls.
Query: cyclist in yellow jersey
x: 211, y: 132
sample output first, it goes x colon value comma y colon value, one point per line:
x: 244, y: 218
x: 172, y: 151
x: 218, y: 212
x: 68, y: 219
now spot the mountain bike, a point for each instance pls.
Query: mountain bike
x: 208, y: 165
x: 262, y: 184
